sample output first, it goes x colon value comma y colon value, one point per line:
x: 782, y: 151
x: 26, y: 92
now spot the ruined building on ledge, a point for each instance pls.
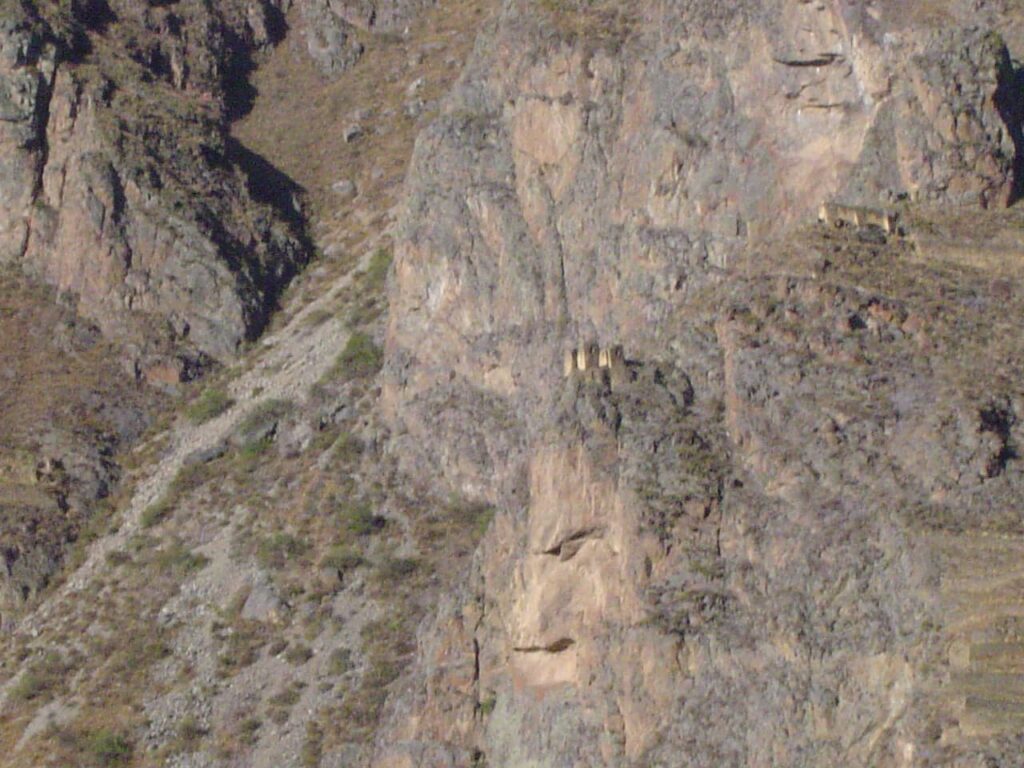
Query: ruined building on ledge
x: 593, y: 362
x: 838, y: 215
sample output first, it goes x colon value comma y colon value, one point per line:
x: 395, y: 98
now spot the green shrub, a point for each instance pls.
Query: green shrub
x: 298, y: 654
x: 248, y: 457
x: 242, y: 647
x: 312, y: 747
x: 267, y: 411
x: 281, y: 703
x: 376, y: 276
x: 276, y: 550
x: 342, y: 559
x: 143, y: 650
x: 339, y: 662
x: 488, y: 704
x: 189, y: 478
x: 157, y: 512
x: 118, y: 557
x: 473, y: 516
x: 348, y: 448
x: 248, y: 730
x: 318, y: 317
x: 40, y: 678
x: 392, y: 571
x: 179, y: 560
x: 359, y: 519
x: 108, y: 748
x: 189, y: 733
x: 388, y: 636
x: 210, y: 404
x: 361, y: 358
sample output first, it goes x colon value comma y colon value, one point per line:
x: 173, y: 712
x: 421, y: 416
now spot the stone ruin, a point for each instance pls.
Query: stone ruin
x: 593, y: 362
x: 838, y: 215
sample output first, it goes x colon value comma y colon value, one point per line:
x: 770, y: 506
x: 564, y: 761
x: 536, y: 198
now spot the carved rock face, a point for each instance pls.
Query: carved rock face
x: 585, y: 182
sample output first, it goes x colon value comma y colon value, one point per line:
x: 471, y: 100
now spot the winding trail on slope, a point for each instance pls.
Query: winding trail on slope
x: 293, y: 359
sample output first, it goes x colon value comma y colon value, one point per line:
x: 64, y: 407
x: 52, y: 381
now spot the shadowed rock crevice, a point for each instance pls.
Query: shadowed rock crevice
x: 558, y: 646
x: 269, y: 185
x: 999, y: 421
x: 1009, y: 98
x: 567, y: 547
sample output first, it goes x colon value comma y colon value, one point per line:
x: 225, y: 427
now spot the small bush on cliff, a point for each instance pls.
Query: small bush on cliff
x: 376, y: 276
x: 210, y: 404
x: 361, y: 358
x: 157, y: 512
x: 264, y: 416
x: 342, y: 559
x: 107, y: 748
x: 178, y: 559
x: 360, y: 519
x: 188, y: 479
x: 40, y: 678
x: 276, y: 550
x: 394, y: 572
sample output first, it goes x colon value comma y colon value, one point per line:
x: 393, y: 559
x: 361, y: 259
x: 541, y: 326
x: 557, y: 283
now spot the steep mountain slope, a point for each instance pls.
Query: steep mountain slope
x: 255, y: 588
x: 68, y: 410
x: 122, y: 186
x: 399, y: 529
x: 121, y: 189
x: 738, y: 552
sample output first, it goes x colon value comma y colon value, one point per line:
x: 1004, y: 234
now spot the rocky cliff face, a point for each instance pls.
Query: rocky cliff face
x: 121, y: 189
x: 68, y: 409
x: 585, y: 195
x: 738, y: 554
x: 332, y: 28
x: 785, y: 530
x: 120, y: 184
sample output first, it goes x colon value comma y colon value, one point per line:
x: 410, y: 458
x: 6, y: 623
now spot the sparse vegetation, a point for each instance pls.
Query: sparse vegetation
x: 376, y: 275
x: 157, y: 512
x: 347, y: 448
x: 298, y: 654
x: 394, y: 571
x: 248, y: 457
x: 40, y: 678
x: 276, y: 550
x: 267, y: 412
x: 179, y: 559
x: 189, y: 478
x: 488, y: 704
x: 188, y: 735
x: 342, y: 559
x: 243, y: 641
x: 209, y: 405
x: 339, y: 662
x: 281, y: 703
x: 312, y: 746
x: 108, y: 748
x: 596, y: 22
x: 359, y: 519
x: 361, y: 359
x: 248, y: 730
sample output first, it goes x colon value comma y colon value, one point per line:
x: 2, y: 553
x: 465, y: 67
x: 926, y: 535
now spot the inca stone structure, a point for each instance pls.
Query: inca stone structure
x: 591, y: 361
x: 838, y: 215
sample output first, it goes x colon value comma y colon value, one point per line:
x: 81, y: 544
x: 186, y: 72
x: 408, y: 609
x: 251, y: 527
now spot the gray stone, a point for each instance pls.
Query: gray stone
x: 344, y: 189
x: 263, y: 604
x: 352, y: 133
